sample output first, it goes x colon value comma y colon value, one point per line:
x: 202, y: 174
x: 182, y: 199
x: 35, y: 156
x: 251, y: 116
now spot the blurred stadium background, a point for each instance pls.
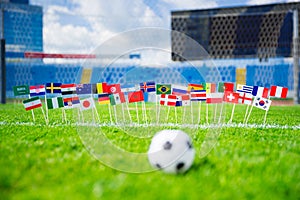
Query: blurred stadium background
x: 250, y: 45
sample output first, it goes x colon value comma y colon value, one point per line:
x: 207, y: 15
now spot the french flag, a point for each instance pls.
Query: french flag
x: 278, y: 91
x: 260, y: 91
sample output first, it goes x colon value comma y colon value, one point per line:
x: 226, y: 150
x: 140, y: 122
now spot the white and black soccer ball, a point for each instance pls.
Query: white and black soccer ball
x: 171, y: 151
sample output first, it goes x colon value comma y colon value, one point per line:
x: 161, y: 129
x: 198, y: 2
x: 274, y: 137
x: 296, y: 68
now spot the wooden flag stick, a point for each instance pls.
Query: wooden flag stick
x: 96, y: 111
x: 183, y: 115
x: 64, y: 115
x: 232, y: 113
x: 46, y: 120
x: 175, y: 115
x: 32, y: 112
x: 207, y: 113
x: 137, y: 112
x: 265, y: 117
x: 93, y: 114
x: 221, y: 112
x: 216, y: 108
x: 156, y: 108
x: 199, y: 114
x: 246, y: 113
x: 80, y: 115
x: 144, y: 111
x: 128, y: 112
x: 192, y: 117
x: 110, y: 115
x: 45, y: 100
x: 167, y: 118
x: 158, y: 114
x: 249, y: 114
x: 123, y: 113
x: 115, y: 114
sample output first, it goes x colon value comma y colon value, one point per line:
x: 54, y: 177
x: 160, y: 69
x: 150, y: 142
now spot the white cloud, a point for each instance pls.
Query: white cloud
x: 191, y: 4
x: 80, y: 26
x: 260, y: 2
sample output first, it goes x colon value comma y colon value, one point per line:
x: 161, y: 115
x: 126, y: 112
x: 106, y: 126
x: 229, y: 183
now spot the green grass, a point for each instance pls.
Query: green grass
x: 51, y: 162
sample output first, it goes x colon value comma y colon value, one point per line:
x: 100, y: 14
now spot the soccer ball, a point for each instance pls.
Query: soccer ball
x: 171, y: 151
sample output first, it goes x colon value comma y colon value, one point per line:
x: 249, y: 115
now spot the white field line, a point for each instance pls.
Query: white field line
x: 194, y: 126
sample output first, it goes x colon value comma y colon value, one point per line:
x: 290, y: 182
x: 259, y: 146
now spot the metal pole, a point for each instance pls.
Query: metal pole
x: 296, y: 56
x: 3, y: 73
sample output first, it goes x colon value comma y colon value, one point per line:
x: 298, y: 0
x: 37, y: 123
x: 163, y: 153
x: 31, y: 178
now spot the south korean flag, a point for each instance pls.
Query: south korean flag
x: 262, y: 103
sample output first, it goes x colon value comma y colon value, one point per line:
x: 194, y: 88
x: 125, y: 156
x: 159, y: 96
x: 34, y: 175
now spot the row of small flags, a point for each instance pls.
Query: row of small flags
x: 170, y: 94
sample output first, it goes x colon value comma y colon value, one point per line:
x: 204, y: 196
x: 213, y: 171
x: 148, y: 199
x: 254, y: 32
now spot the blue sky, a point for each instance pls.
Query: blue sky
x: 79, y: 26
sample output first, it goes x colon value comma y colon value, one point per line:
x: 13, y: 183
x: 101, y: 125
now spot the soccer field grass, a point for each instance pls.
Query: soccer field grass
x: 50, y: 162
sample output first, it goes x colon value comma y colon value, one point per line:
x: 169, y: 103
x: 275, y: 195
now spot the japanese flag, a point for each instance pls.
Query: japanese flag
x: 87, y: 104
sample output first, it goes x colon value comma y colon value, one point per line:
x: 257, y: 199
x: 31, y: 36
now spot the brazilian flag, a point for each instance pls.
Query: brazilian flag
x: 163, y: 89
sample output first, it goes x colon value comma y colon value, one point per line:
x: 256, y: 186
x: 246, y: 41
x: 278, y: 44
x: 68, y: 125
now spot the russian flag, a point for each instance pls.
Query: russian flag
x: 179, y: 89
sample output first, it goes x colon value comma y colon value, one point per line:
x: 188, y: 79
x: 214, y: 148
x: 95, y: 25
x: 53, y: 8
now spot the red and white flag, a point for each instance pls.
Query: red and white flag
x: 214, y: 98
x: 113, y: 88
x: 245, y: 98
x: 278, y: 91
x: 168, y: 100
x: 198, y: 95
x: 135, y: 96
x: 86, y: 104
x: 231, y: 97
x: 32, y: 103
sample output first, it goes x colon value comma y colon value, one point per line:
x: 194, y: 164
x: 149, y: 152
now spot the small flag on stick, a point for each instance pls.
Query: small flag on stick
x: 55, y: 102
x: 37, y: 90
x: 179, y: 89
x: 168, y: 100
x: 103, y: 99
x: 117, y: 98
x: 84, y: 89
x: 53, y: 88
x: 87, y: 104
x: 222, y: 87
x: 147, y: 86
x: 163, y: 89
x: 278, y: 91
x: 192, y: 87
x: 244, y: 88
x: 231, y: 97
x: 137, y: 96
x: 209, y: 87
x: 260, y: 91
x: 32, y: 103
x: 21, y: 90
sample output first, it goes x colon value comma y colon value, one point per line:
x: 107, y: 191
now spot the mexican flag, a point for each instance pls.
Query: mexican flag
x: 117, y: 98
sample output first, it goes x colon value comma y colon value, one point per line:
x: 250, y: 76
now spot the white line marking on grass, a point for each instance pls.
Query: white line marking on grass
x: 200, y: 126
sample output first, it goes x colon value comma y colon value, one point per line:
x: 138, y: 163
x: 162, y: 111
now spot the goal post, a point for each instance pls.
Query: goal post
x: 296, y: 55
x: 2, y: 73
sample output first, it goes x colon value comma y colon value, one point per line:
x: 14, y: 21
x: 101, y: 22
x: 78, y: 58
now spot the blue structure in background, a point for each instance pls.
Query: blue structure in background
x: 21, y: 25
x: 31, y: 73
